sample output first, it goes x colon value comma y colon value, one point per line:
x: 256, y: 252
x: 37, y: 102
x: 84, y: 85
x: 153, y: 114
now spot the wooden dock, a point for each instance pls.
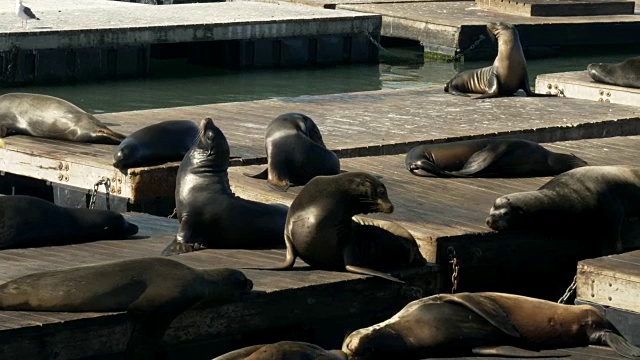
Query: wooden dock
x: 353, y: 124
x: 447, y: 29
x: 579, y: 85
x: 299, y: 304
x: 447, y: 216
x: 612, y: 283
x: 98, y: 39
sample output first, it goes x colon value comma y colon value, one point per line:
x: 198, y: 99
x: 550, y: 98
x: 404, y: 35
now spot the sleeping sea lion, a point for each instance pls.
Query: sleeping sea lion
x: 489, y: 324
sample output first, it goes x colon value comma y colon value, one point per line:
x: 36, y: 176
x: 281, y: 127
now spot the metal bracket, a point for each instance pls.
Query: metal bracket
x: 63, y: 171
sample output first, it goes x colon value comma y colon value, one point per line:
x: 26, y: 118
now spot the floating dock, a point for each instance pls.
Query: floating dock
x: 99, y: 39
x: 354, y: 124
x: 308, y: 305
x: 579, y: 85
x: 612, y: 283
x: 450, y: 29
x: 447, y: 217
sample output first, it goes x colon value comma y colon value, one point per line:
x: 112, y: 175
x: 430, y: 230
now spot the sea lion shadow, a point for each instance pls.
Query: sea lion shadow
x: 42, y: 27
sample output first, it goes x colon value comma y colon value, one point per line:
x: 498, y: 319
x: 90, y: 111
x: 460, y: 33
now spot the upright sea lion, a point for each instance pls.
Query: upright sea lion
x: 321, y: 228
x: 283, y: 350
x: 590, y: 202
x: 27, y: 221
x: 210, y: 214
x: 625, y: 73
x: 488, y: 158
x: 490, y: 324
x: 295, y: 152
x: 507, y: 75
x: 156, y: 144
x: 153, y: 290
x: 51, y: 117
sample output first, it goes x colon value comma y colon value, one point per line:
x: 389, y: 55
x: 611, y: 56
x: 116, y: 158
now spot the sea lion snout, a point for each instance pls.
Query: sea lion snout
x: 385, y: 206
x: 498, y: 213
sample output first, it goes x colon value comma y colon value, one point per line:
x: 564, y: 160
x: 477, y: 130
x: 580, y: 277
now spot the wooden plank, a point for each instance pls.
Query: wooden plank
x: 558, y: 8
x: 578, y: 85
x: 283, y: 299
x: 354, y: 124
x: 611, y: 281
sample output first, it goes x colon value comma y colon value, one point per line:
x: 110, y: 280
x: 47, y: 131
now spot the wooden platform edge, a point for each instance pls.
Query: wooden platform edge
x: 221, y: 328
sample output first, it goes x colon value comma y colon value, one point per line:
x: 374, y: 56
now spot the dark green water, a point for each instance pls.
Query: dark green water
x: 175, y: 83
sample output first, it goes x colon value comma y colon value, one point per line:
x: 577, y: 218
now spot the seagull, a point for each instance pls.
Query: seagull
x: 24, y: 13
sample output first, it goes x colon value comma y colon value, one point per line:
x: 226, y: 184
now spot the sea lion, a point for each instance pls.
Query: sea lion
x: 27, y: 221
x: 156, y: 144
x: 51, y: 117
x: 210, y: 214
x: 283, y: 350
x: 507, y: 74
x: 321, y: 228
x: 590, y: 201
x: 153, y: 290
x: 625, y: 73
x: 488, y: 158
x: 490, y: 324
x: 295, y: 152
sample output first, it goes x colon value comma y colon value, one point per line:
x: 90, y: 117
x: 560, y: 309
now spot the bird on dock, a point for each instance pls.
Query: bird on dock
x: 24, y: 13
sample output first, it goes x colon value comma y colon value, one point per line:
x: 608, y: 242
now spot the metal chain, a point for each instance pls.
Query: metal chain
x: 569, y: 291
x: 473, y: 46
x: 175, y: 211
x: 455, y: 267
x: 107, y: 184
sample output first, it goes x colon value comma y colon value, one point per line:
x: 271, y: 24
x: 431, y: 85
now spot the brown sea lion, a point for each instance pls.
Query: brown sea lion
x: 27, y: 221
x: 283, y: 350
x: 507, y: 75
x: 153, y: 290
x: 210, y: 214
x: 488, y: 158
x: 321, y: 228
x: 590, y: 201
x: 625, y: 73
x: 490, y: 324
x: 156, y: 144
x: 295, y: 152
x: 50, y: 117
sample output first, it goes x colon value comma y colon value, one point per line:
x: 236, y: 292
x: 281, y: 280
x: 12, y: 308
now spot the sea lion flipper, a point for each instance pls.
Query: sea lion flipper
x: 487, y: 308
x: 289, y: 261
x: 284, y: 186
x: 511, y: 351
x: 492, y: 86
x: 177, y: 247
x: 365, y: 271
x: 620, y: 345
x: 424, y: 167
x: 263, y: 175
x: 453, y: 90
x: 480, y: 160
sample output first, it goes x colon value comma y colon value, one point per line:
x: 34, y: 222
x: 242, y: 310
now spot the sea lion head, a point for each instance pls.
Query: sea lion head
x: 374, y: 342
x: 211, y: 146
x: 502, y: 30
x: 306, y: 126
x: 504, y: 214
x: 225, y: 284
x: 126, y: 152
x: 600, y: 72
x: 369, y: 192
x: 108, y: 224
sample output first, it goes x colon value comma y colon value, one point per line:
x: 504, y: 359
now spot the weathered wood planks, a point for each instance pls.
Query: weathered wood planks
x: 294, y: 299
x: 355, y: 124
x: 559, y: 8
x: 578, y: 84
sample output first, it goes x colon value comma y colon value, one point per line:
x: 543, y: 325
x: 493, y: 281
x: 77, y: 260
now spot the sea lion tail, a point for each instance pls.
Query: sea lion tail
x: 565, y: 162
x: 620, y: 345
x: 263, y: 175
x: 365, y: 271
